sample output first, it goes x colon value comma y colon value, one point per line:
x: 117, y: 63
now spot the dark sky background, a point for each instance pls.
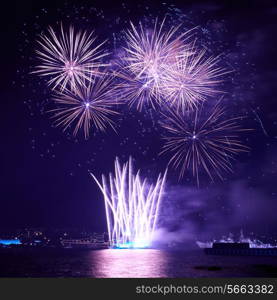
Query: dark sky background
x: 44, y: 172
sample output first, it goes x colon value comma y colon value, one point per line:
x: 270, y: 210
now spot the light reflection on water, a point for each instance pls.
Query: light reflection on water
x: 129, y: 263
x: 132, y: 263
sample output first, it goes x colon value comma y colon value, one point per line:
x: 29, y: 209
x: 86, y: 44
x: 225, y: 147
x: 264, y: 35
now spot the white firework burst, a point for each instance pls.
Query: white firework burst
x: 148, y: 55
x: 191, y: 79
x: 150, y: 51
x: 88, y: 105
x: 163, y: 68
x: 68, y: 58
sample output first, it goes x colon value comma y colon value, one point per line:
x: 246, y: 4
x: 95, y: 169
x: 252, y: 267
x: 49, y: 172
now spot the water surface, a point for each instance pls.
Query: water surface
x: 131, y: 263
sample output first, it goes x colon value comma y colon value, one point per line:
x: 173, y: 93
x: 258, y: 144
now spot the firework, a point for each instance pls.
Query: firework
x: 89, y: 104
x: 137, y: 90
x: 191, y: 78
x: 162, y: 69
x: 197, y: 140
x: 131, y: 205
x: 148, y: 55
x: 68, y: 57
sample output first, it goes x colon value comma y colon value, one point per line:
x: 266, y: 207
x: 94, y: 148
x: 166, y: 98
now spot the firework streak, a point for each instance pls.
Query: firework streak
x: 159, y: 68
x: 68, y: 57
x: 132, y: 206
x: 202, y: 139
x: 89, y: 104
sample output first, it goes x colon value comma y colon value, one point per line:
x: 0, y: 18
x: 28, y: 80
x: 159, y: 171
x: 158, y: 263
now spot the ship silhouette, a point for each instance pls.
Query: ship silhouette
x: 242, y: 247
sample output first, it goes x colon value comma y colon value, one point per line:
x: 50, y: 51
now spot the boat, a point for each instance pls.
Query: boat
x: 243, y: 246
x: 241, y: 249
x: 83, y: 244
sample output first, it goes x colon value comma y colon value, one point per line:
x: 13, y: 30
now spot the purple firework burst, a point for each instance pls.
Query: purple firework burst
x: 200, y: 140
x: 90, y: 104
x: 68, y: 58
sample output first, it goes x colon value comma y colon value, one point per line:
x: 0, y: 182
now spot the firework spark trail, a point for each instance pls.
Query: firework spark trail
x: 261, y: 123
x: 132, y: 206
x: 136, y: 90
x: 148, y: 54
x: 68, y: 57
x: 191, y: 78
x: 89, y: 104
x: 196, y: 140
x: 160, y: 68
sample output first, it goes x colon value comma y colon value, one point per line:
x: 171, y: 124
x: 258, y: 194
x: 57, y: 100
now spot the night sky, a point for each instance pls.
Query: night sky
x: 44, y: 172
